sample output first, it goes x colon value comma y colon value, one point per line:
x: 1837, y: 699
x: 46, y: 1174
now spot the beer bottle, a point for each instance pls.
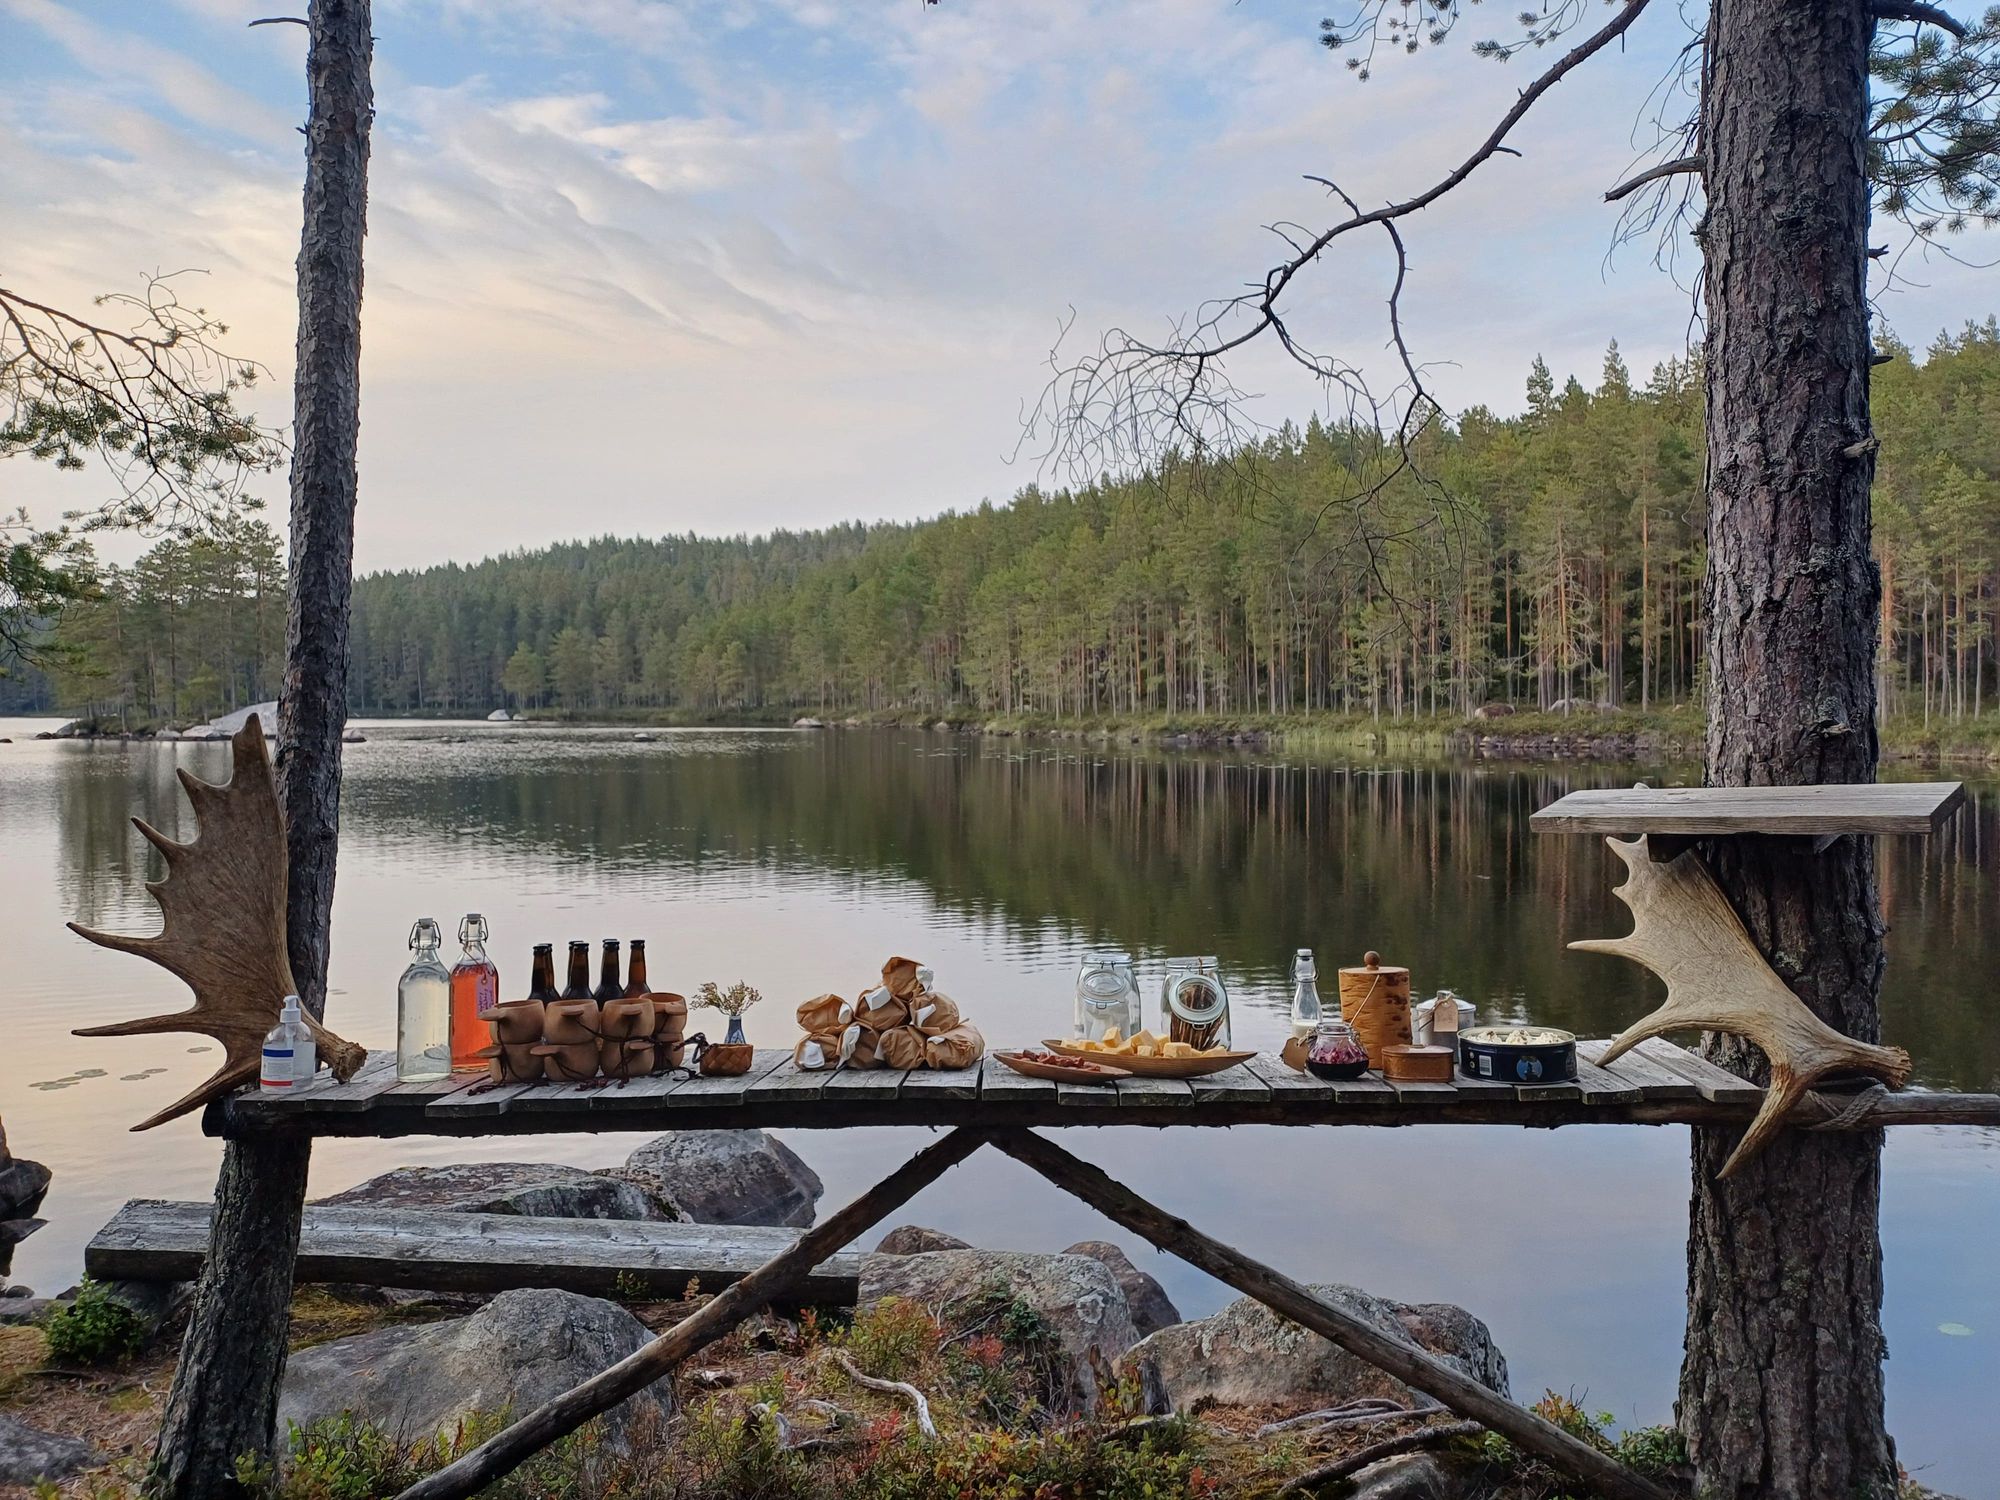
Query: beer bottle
x: 578, y: 987
x: 635, y: 977
x: 608, y: 987
x: 542, y: 983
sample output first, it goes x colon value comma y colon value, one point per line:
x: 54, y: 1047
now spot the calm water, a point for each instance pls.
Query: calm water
x: 800, y: 860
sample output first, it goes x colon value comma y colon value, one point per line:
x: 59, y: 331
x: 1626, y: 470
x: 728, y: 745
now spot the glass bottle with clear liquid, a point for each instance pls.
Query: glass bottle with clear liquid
x: 423, y: 1010
x: 1305, y: 995
x: 475, y: 993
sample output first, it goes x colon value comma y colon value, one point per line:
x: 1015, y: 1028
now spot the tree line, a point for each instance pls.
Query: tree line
x: 1549, y: 558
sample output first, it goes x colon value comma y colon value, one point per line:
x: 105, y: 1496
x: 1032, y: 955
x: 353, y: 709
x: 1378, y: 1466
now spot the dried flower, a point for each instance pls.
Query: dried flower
x: 733, y: 1001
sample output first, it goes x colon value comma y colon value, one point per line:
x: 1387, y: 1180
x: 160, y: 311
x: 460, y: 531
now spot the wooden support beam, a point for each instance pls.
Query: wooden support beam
x: 1568, y: 1455
x: 507, y: 1449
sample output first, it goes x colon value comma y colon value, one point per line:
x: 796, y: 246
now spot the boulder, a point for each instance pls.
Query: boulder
x: 521, y: 1349
x: 1409, y: 1476
x: 914, y: 1239
x: 23, y: 1184
x: 808, y: 722
x: 730, y: 1177
x: 1077, y: 1298
x: 1151, y: 1308
x: 536, y: 1190
x: 499, y: 716
x: 1493, y: 711
x: 1247, y: 1355
x: 28, y: 1454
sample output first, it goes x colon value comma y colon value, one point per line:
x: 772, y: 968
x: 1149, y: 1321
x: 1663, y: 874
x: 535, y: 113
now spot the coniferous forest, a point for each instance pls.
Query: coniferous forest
x: 1549, y: 556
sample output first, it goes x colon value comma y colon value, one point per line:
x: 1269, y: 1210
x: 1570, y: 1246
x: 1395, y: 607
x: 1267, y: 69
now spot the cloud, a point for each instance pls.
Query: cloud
x: 636, y: 265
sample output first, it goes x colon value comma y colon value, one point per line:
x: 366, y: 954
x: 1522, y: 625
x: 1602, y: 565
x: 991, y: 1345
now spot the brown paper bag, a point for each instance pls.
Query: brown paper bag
x: 899, y: 976
x: 858, y: 1046
x: 960, y: 1047
x: 934, y: 1014
x: 878, y: 1010
x: 817, y: 1051
x: 902, y: 1048
x: 827, y: 1013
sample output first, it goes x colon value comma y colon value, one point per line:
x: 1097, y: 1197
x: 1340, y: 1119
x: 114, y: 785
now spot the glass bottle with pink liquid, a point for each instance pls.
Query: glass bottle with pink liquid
x: 475, y: 994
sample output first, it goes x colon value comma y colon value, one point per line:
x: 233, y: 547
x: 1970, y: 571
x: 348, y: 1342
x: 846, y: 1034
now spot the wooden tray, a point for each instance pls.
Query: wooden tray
x: 1096, y: 1073
x: 1156, y: 1067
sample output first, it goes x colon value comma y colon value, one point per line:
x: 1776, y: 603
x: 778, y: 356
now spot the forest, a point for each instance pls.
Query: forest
x: 1549, y: 559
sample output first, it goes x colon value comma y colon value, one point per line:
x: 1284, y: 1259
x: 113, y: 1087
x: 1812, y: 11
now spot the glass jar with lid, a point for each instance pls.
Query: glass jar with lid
x: 1336, y: 1052
x: 1107, y: 996
x: 1194, y: 1003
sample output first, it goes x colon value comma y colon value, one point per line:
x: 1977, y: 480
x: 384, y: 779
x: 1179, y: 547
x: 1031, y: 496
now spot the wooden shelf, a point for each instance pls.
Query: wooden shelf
x: 1902, y: 807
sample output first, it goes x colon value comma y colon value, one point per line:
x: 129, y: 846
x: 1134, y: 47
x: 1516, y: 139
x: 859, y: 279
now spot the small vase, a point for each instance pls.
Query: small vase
x: 736, y: 1038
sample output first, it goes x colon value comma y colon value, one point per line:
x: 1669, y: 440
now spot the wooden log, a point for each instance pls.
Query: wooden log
x: 505, y: 1450
x: 1421, y: 1371
x: 439, y: 1250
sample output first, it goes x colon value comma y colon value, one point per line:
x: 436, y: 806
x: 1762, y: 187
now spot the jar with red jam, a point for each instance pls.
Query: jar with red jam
x: 1336, y: 1052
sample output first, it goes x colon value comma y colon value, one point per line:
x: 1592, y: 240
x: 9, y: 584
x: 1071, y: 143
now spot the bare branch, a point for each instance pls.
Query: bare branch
x: 1696, y: 165
x: 1915, y: 10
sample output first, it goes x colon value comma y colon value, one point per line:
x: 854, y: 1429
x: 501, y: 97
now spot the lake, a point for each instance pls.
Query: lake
x: 800, y: 860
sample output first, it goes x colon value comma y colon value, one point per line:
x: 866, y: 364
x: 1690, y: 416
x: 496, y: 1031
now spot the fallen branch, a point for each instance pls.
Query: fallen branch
x: 1363, y: 1413
x: 901, y: 1388
x: 1361, y: 1458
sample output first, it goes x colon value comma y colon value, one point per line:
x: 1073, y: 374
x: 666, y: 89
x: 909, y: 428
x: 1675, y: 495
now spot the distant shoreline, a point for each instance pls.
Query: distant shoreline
x: 1611, y: 735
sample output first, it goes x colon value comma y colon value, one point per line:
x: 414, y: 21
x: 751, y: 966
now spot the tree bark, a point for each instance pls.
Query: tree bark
x: 225, y: 1395
x: 1781, y: 1390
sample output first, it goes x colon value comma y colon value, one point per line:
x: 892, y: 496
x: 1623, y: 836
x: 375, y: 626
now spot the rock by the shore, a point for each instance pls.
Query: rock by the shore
x: 518, y: 1351
x: 915, y: 1239
x: 808, y: 722
x: 28, y: 1454
x: 1076, y: 1297
x: 538, y: 1190
x: 1151, y: 1308
x: 730, y: 1177
x: 1408, y: 1476
x: 1247, y: 1355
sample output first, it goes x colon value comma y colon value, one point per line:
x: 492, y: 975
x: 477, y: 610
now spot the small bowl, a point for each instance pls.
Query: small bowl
x: 518, y: 1021
x: 630, y: 1058
x: 625, y: 1019
x: 570, y: 1022
x: 569, y: 1062
x: 514, y: 1062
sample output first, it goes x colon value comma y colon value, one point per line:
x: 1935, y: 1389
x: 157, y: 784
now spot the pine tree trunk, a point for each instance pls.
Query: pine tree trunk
x: 225, y: 1395
x: 1781, y: 1392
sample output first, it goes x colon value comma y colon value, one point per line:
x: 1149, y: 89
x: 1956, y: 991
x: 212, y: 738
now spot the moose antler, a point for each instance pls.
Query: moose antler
x: 1685, y: 931
x: 223, y: 904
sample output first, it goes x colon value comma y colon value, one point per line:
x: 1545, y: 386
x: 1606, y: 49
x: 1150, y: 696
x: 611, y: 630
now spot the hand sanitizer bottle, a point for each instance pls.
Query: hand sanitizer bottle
x: 280, y: 1072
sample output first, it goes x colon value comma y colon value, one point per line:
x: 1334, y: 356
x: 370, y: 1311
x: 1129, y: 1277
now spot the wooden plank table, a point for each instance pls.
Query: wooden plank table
x: 1906, y: 807
x: 1656, y: 1084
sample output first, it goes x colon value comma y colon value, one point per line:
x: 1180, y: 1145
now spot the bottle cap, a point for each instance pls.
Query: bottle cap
x: 291, y: 1010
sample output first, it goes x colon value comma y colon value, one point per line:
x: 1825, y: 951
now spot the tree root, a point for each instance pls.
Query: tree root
x: 918, y: 1401
x: 1361, y: 1458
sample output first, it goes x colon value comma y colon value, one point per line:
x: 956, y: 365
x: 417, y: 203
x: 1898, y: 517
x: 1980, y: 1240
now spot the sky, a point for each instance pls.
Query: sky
x: 655, y: 266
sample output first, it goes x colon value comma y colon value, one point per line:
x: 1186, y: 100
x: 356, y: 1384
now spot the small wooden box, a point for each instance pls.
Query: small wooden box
x: 1418, y: 1064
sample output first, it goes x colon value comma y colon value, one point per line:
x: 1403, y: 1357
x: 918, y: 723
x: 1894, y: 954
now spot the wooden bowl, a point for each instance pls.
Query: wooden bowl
x: 1155, y: 1067
x: 630, y: 1058
x: 514, y: 1062
x: 569, y: 1062
x: 1092, y: 1071
x: 569, y: 1023
x: 519, y: 1021
x: 726, y: 1059
x: 625, y: 1019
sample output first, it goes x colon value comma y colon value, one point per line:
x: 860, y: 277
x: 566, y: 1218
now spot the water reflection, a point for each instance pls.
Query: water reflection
x: 800, y: 860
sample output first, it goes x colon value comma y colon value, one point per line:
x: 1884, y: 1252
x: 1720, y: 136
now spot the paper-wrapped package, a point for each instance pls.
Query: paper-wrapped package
x: 858, y: 1046
x: 899, y: 977
x: 934, y: 1015
x: 828, y: 1013
x: 960, y: 1047
x: 817, y: 1051
x: 901, y: 1048
x: 879, y: 1010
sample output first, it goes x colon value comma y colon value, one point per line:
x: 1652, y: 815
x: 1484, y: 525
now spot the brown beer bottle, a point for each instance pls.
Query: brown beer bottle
x: 608, y: 987
x: 542, y: 982
x: 635, y: 977
x: 578, y: 987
